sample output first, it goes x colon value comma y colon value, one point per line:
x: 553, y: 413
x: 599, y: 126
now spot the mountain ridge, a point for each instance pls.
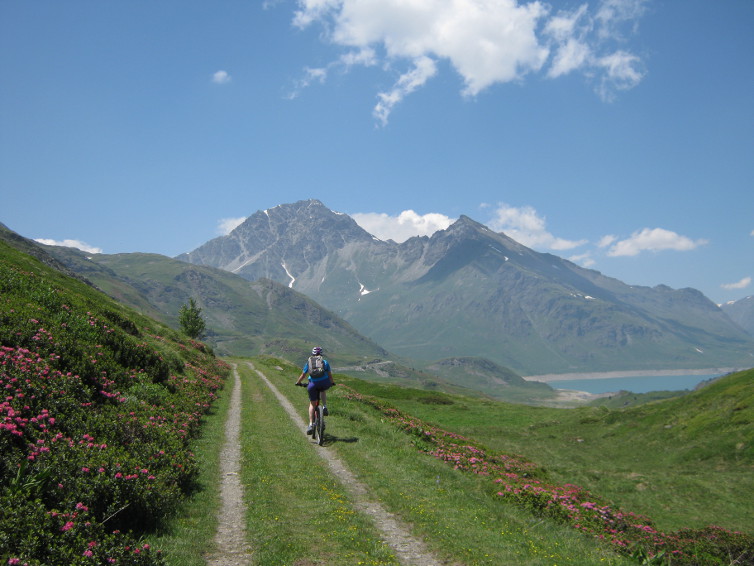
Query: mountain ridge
x: 252, y: 317
x: 741, y: 312
x: 470, y: 291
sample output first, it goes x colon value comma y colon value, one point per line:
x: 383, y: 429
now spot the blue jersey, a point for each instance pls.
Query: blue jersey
x: 326, y: 365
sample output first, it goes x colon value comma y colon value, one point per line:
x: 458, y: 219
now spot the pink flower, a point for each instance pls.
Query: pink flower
x: 67, y: 527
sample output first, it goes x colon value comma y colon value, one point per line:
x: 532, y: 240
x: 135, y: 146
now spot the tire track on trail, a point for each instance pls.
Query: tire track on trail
x: 230, y: 538
x: 409, y: 550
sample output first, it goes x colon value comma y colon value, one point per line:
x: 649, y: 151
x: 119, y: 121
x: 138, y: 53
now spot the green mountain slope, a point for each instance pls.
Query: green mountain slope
x: 243, y: 317
x: 684, y: 461
x: 496, y: 381
x: 100, y: 408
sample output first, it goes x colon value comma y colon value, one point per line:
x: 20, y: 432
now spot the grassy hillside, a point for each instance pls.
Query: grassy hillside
x: 492, y: 379
x: 100, y: 409
x: 243, y: 317
x: 476, y: 499
x: 683, y: 461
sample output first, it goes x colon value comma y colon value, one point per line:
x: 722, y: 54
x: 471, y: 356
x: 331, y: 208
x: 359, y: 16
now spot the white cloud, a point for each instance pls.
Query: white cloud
x: 365, y: 57
x: 621, y: 72
x: 528, y: 228
x: 606, y: 241
x: 424, y: 69
x: 745, y: 282
x: 655, y: 240
x: 613, y: 15
x: 402, y: 227
x: 226, y: 225
x: 78, y: 244
x: 582, y: 42
x: 487, y: 42
x: 568, y: 32
x: 221, y: 77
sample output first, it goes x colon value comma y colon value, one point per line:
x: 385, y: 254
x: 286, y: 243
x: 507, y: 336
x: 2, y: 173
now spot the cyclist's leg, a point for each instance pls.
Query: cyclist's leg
x: 323, y: 387
x: 313, y: 399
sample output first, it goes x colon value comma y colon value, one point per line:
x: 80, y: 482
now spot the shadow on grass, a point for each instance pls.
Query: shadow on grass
x: 330, y: 439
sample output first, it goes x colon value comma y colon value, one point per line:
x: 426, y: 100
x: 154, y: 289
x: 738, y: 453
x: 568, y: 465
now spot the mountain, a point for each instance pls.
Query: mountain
x: 470, y: 292
x: 247, y: 318
x: 742, y: 313
x: 243, y: 317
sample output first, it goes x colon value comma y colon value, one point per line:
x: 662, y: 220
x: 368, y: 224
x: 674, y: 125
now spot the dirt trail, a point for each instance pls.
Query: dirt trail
x: 408, y: 549
x: 230, y: 539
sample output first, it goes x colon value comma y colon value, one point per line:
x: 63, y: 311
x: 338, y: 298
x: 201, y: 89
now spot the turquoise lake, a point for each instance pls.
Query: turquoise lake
x: 643, y: 384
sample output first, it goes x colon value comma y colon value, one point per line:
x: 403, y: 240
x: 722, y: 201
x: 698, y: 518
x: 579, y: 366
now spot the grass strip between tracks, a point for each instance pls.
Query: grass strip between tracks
x: 298, y: 512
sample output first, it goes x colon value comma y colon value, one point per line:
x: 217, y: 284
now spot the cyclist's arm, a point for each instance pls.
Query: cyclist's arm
x: 301, y: 377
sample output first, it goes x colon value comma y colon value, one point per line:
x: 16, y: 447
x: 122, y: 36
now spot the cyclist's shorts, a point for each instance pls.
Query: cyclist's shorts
x: 315, y: 387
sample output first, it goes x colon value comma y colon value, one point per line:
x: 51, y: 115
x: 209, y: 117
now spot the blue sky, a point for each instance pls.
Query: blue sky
x: 616, y: 133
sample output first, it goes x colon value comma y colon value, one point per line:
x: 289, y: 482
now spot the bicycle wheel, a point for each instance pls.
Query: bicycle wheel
x: 320, y: 426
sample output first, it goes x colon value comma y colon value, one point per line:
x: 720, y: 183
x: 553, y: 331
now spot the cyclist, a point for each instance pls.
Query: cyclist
x: 320, y: 380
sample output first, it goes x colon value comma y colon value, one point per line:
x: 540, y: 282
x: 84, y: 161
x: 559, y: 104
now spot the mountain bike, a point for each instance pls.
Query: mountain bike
x: 318, y: 426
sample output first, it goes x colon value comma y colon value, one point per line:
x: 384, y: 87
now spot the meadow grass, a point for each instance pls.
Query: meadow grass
x: 457, y: 514
x: 653, y: 459
x: 298, y: 513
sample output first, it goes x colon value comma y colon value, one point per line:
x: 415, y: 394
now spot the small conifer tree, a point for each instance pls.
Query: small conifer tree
x: 191, y: 321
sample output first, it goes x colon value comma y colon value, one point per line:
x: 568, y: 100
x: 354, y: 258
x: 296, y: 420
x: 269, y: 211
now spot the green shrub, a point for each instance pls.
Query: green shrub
x: 96, y: 421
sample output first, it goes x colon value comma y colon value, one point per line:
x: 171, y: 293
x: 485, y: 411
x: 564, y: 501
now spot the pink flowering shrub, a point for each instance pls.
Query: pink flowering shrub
x: 522, y: 483
x: 96, y: 420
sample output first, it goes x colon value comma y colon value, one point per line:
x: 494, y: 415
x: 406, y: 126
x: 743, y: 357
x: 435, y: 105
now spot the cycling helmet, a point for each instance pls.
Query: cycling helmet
x: 316, y: 351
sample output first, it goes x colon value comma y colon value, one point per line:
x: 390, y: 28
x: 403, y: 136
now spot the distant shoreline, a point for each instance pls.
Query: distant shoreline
x: 550, y: 377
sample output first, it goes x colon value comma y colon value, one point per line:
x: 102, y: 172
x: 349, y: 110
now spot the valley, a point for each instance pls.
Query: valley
x: 478, y: 479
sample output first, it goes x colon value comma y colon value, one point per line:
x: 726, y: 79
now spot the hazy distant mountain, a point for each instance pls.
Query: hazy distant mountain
x: 468, y: 291
x: 742, y: 313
